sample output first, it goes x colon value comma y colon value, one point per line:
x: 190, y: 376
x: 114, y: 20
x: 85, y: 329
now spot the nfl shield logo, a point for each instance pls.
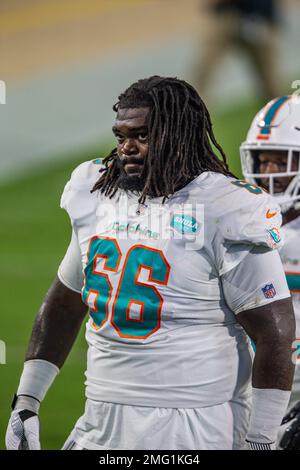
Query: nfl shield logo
x: 269, y: 291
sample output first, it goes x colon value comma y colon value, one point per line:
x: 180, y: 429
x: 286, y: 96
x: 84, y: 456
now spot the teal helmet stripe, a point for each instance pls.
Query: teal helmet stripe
x: 271, y: 113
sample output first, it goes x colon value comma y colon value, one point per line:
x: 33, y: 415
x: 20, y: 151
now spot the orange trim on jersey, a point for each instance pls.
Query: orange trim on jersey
x: 96, y: 273
x: 137, y: 302
x: 92, y: 291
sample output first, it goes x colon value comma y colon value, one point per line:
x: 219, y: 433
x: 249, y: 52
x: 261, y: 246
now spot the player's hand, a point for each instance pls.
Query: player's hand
x: 23, y: 431
x: 291, y: 436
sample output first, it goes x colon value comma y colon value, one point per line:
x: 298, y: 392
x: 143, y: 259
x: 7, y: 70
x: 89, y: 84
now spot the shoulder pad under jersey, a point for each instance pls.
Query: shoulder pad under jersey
x: 248, y: 214
x: 82, y: 181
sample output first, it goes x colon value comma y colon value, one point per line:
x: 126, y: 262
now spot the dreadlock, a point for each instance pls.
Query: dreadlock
x: 179, y: 136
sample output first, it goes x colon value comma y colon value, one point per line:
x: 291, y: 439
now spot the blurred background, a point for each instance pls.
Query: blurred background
x: 64, y: 63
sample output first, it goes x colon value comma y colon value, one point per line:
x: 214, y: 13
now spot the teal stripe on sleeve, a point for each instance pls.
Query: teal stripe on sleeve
x: 293, y: 281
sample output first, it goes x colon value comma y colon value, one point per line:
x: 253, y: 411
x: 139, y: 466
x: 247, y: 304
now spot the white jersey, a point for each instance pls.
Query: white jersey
x: 290, y: 256
x: 160, y: 290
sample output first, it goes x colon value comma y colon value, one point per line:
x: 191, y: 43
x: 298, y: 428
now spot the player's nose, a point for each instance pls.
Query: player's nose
x: 129, y: 147
x: 270, y: 167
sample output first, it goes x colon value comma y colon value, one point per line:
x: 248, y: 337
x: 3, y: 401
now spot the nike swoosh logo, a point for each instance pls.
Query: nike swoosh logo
x: 269, y: 214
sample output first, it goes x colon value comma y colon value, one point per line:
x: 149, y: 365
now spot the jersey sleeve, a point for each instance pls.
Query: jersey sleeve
x: 76, y: 196
x: 78, y: 202
x: 258, y: 280
x: 70, y: 271
x: 74, y: 184
x: 248, y: 220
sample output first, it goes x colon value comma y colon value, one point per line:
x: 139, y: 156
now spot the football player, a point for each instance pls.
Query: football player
x: 270, y: 157
x: 176, y: 262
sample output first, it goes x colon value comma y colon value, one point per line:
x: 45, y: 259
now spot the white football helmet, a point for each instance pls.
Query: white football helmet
x: 275, y: 127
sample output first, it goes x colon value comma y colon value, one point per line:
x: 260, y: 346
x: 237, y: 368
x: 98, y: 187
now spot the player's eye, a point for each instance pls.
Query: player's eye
x: 143, y: 137
x: 120, y: 138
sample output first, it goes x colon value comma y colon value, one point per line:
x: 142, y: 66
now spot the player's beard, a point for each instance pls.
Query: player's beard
x: 129, y: 182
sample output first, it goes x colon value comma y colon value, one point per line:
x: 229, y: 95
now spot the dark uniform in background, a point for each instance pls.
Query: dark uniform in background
x: 250, y: 25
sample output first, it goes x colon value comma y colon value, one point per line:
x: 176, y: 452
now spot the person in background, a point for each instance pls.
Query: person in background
x: 250, y: 25
x: 270, y: 157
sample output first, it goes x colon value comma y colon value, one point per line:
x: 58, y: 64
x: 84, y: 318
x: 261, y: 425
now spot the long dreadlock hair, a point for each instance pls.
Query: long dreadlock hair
x: 179, y: 135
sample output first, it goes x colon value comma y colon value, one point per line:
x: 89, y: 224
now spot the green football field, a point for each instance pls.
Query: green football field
x: 34, y: 234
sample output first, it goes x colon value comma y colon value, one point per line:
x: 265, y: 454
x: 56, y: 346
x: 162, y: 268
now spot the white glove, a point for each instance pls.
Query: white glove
x: 23, y: 427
